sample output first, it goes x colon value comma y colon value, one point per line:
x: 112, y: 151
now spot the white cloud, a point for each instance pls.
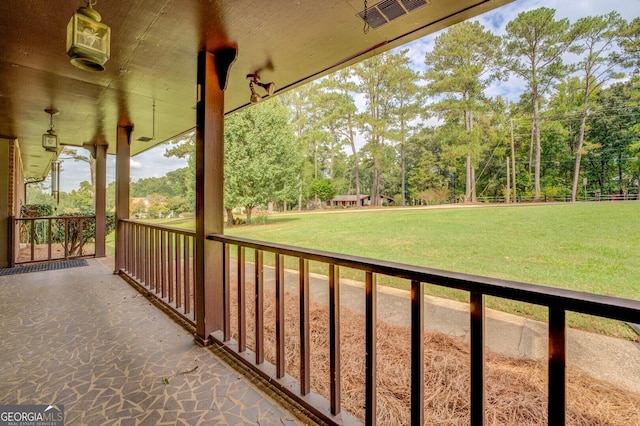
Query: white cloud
x: 135, y: 164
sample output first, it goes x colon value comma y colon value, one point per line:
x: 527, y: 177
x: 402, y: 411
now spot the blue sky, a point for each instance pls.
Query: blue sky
x: 154, y: 164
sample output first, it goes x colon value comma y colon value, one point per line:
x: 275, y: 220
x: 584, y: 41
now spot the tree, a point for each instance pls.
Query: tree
x: 73, y: 154
x: 534, y: 43
x: 343, y: 85
x: 261, y: 157
x: 427, y: 173
x: 614, y: 127
x: 408, y: 101
x: 377, y: 79
x: 597, y: 40
x: 184, y: 146
x: 305, y: 119
x: 461, y: 66
x: 631, y: 43
x: 323, y: 189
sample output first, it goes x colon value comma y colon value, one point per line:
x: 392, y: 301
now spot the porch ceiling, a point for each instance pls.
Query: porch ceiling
x: 153, y: 58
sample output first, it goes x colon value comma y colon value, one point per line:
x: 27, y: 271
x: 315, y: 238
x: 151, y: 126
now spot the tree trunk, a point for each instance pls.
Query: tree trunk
x: 92, y: 168
x: 300, y: 194
x: 248, y: 209
x: 536, y: 126
x: 576, y: 169
x: 474, y: 198
x: 229, y: 216
x: 356, y: 166
x: 402, y: 161
x: 531, y: 143
x: 513, y: 166
x: 375, y: 188
x: 467, y: 190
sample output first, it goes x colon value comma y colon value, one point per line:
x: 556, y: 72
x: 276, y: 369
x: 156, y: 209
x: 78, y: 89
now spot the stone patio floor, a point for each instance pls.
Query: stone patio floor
x: 84, y: 338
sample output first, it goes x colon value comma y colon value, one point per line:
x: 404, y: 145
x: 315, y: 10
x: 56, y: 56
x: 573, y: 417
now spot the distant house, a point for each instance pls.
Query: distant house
x: 353, y: 201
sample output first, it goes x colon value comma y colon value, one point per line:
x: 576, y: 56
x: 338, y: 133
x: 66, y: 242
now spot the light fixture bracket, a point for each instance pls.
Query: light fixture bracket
x: 254, y: 79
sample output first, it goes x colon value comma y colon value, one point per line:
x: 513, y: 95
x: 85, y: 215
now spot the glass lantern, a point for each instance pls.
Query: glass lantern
x: 50, y: 140
x: 88, y: 39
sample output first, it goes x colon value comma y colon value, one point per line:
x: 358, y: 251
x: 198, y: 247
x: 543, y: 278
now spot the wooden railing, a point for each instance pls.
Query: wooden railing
x: 558, y: 302
x: 160, y: 258
x: 43, y: 239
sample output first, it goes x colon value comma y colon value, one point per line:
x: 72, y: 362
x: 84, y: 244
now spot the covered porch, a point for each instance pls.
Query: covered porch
x: 81, y: 338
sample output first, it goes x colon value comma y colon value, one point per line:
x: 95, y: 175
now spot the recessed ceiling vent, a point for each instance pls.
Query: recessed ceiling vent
x: 388, y: 10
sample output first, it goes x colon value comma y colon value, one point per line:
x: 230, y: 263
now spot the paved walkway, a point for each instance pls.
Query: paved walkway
x: 85, y: 339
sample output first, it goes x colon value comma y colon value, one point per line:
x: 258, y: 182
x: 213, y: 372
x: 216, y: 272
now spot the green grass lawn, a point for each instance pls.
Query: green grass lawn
x: 592, y: 247
x: 585, y: 247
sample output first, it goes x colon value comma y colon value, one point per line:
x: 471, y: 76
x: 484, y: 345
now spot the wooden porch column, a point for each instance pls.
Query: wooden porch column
x: 101, y: 197
x: 123, y: 169
x: 209, y: 286
x: 6, y: 249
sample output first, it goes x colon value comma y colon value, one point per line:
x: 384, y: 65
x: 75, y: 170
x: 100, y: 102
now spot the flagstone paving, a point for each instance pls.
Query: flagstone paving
x: 83, y: 338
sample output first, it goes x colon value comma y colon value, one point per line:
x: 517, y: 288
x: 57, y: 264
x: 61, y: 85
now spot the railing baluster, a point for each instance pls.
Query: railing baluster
x: 226, y: 303
x: 158, y: 261
x: 370, y: 348
x: 151, y: 256
x: 242, y: 313
x: 179, y: 269
x: 477, y: 358
x: 136, y: 252
x: 81, y: 237
x: 259, y: 300
x: 305, y: 349
x: 163, y: 263
x: 170, y: 257
x: 32, y: 238
x: 557, y: 366
x: 145, y: 255
x: 132, y: 254
x: 334, y: 339
x: 49, y: 238
x: 127, y: 246
x: 280, y: 349
x: 139, y: 265
x: 417, y: 353
x: 66, y: 237
x: 187, y: 276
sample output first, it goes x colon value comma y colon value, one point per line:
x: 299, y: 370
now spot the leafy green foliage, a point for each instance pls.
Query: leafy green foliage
x: 323, y: 189
x: 261, y: 159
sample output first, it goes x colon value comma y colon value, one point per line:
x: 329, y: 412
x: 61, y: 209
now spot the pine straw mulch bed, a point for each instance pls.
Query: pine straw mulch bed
x: 515, y: 389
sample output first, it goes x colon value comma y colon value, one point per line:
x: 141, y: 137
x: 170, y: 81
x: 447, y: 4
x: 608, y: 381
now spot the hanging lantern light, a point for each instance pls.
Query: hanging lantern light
x: 88, y: 39
x: 50, y: 138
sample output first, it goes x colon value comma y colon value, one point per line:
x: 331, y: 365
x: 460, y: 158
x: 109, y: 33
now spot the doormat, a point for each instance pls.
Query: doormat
x: 40, y: 267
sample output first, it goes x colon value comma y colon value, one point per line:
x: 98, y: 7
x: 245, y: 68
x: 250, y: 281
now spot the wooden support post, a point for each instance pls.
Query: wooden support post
x: 101, y: 198
x: 209, y: 285
x: 123, y: 170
